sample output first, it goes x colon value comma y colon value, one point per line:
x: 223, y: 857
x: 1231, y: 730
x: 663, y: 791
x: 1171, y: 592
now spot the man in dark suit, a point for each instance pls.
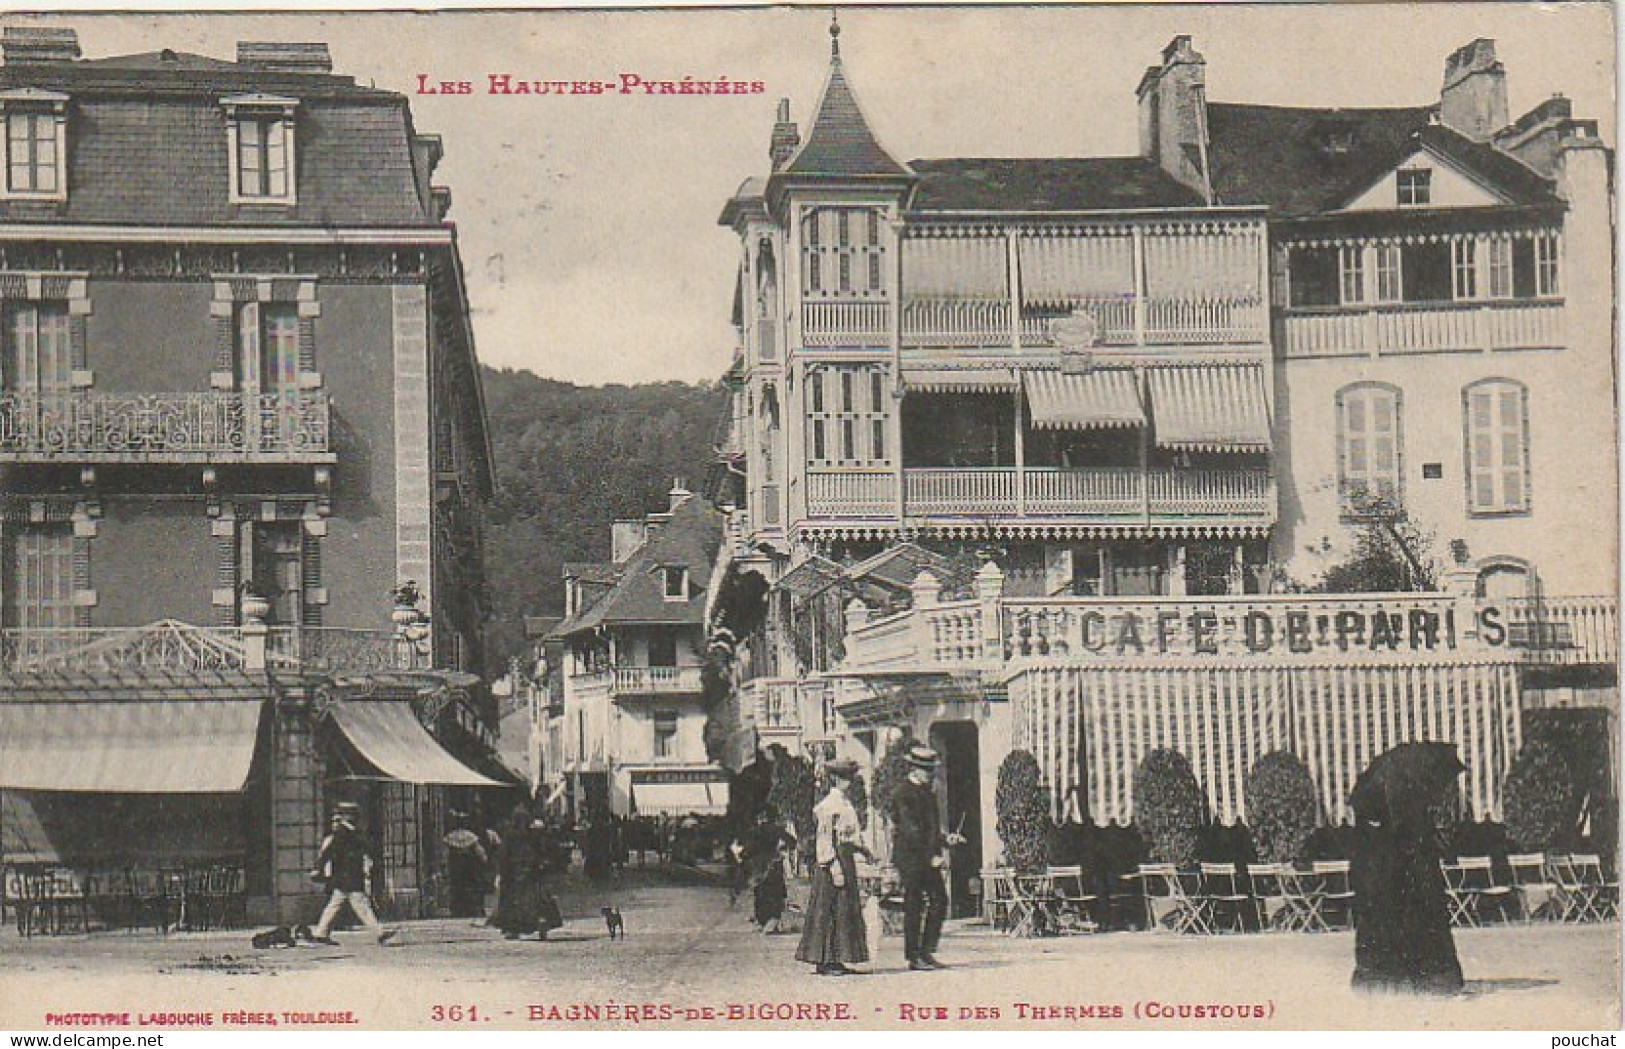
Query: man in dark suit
x: 917, y: 844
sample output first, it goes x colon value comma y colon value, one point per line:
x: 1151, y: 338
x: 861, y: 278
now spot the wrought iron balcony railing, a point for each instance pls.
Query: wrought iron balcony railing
x: 154, y: 427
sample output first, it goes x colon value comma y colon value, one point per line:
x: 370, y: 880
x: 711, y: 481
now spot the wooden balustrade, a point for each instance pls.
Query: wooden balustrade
x: 956, y: 322
x: 851, y: 493
x: 1562, y: 630
x: 1097, y: 491
x: 1400, y: 328
x: 1206, y: 319
x: 855, y: 323
x: 960, y: 491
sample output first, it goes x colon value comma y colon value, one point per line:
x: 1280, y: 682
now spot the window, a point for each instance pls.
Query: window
x: 842, y: 252
x: 1498, y: 257
x: 663, y: 648
x: 262, y: 141
x: 35, y: 142
x: 1464, y: 269
x: 1314, y: 277
x: 39, y: 348
x: 1351, y: 273
x: 38, y: 587
x: 1390, y: 287
x: 271, y: 560
x: 1497, y: 446
x: 665, y: 723
x: 1370, y: 442
x: 1415, y: 187
x: 675, y: 582
x: 1546, y: 248
x: 848, y: 429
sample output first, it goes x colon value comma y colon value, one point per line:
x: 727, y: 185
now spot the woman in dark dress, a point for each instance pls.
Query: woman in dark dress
x: 834, y: 934
x: 525, y: 907
x: 1402, y: 939
x: 763, y: 862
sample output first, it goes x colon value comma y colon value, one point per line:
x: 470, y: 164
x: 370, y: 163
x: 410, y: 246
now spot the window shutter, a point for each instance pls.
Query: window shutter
x: 1513, y: 465
x: 1480, y: 411
x: 248, y: 345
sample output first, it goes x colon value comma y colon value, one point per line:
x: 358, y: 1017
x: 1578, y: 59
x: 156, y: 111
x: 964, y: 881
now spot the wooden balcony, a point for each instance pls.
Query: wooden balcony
x: 1125, y: 495
x: 210, y: 427
x: 1440, y: 327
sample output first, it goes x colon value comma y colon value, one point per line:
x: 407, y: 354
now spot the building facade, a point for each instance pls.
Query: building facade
x: 632, y: 715
x: 1155, y: 396
x: 239, y: 404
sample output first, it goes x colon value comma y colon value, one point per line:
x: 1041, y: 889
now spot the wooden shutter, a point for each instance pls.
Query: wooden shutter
x: 1497, y: 448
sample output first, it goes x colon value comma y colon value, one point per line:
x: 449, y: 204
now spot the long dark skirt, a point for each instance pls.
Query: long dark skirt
x: 834, y: 933
x: 527, y: 908
x: 769, y: 895
x: 1402, y: 938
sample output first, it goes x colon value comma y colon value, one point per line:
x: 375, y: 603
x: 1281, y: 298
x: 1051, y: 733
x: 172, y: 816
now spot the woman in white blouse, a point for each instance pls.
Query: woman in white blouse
x: 834, y: 935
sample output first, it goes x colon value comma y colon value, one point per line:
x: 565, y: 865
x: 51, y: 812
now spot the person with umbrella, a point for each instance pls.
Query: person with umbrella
x: 1402, y: 939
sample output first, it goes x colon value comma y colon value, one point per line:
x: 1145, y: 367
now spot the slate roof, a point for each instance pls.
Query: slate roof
x: 689, y: 538
x: 147, y: 145
x: 840, y: 142
x: 1279, y: 156
x: 1060, y: 184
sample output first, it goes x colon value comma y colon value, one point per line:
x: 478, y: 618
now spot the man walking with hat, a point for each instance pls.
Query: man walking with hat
x: 344, y: 863
x: 917, y: 844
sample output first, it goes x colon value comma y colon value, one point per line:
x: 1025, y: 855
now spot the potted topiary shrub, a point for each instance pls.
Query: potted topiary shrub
x: 1541, y: 803
x: 1169, y: 809
x: 1022, y: 806
x: 1281, y: 806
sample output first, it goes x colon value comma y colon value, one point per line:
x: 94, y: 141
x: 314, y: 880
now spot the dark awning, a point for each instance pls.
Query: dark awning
x: 191, y: 746
x: 388, y: 734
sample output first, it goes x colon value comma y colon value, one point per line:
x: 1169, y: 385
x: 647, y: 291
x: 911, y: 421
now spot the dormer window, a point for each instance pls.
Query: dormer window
x: 36, y: 147
x: 1415, y: 187
x: 676, y: 582
x: 260, y: 129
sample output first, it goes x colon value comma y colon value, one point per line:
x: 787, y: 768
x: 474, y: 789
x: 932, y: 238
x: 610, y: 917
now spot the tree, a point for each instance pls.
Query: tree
x: 889, y: 774
x: 1168, y: 806
x: 859, y: 797
x: 1281, y: 806
x: 1022, y: 806
x: 793, y: 794
x: 1391, y: 551
x: 1541, y: 803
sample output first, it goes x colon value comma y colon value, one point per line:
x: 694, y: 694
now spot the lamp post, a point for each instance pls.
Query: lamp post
x: 411, y: 624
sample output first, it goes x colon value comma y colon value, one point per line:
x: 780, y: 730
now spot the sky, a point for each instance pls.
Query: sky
x: 588, y: 223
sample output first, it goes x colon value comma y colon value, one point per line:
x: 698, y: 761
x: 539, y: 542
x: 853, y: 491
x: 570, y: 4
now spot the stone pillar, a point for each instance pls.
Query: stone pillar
x: 989, y: 590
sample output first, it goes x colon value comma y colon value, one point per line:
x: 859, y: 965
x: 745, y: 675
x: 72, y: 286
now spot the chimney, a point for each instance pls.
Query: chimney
x: 1473, y: 100
x: 1173, y: 115
x: 285, y: 58
x: 1536, y: 137
x: 679, y: 494
x: 31, y: 46
x: 786, y: 136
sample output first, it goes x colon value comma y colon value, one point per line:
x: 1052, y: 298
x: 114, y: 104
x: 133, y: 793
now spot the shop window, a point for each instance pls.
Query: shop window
x: 1370, y: 444
x: 1497, y: 446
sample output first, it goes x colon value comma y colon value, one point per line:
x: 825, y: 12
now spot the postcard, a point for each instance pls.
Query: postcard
x: 1028, y: 518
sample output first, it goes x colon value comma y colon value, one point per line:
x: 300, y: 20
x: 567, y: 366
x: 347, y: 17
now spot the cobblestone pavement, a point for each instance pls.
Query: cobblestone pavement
x: 689, y: 951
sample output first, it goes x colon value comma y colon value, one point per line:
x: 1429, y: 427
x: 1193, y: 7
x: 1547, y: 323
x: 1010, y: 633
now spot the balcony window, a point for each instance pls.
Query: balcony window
x: 1351, y: 273
x: 1497, y: 445
x: 272, y: 563
x: 261, y: 142
x: 1546, y: 251
x: 39, y: 348
x: 665, y: 737
x: 848, y: 428
x: 1314, y: 277
x: 1498, y: 267
x: 1370, y: 441
x: 1415, y: 187
x: 1464, y: 268
x: 1390, y: 271
x: 37, y: 581
x: 842, y: 253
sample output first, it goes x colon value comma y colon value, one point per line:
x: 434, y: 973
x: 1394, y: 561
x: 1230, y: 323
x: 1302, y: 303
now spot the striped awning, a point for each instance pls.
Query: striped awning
x: 389, y: 735
x: 678, y: 799
x: 960, y: 380
x: 1210, y: 408
x: 1092, y: 400
x: 135, y: 747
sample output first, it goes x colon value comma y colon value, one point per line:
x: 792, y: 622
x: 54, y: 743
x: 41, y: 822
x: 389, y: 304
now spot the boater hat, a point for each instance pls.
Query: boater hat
x: 921, y: 756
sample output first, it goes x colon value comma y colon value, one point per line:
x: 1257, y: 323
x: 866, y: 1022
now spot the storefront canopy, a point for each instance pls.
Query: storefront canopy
x: 960, y: 380
x: 388, y: 734
x: 1211, y: 408
x: 178, y: 746
x: 678, y: 799
x: 1092, y: 400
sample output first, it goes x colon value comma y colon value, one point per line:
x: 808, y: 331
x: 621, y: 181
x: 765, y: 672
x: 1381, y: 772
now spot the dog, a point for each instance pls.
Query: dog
x: 614, y: 922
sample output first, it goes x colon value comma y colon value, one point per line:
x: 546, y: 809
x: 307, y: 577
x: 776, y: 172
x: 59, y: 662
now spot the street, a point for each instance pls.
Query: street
x: 689, y: 959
